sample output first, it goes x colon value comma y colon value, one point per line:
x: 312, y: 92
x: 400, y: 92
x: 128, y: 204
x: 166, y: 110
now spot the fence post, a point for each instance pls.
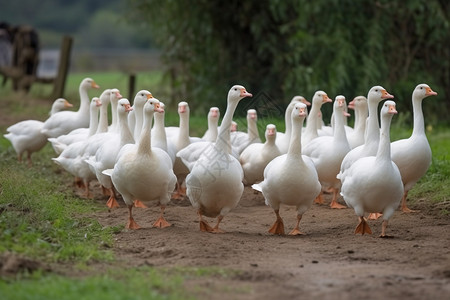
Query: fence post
x: 63, y: 68
x: 131, y: 86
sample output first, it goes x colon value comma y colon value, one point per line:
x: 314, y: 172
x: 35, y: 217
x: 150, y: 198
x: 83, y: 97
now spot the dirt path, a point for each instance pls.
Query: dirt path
x: 329, y: 262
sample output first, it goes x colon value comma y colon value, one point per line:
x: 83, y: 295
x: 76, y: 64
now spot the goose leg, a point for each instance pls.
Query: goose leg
x: 131, y: 223
x: 216, y: 228
x: 139, y: 203
x: 296, y: 230
x: 161, y: 222
x: 204, y: 226
x: 404, y: 208
x: 334, y: 203
x: 383, y: 230
x: 278, y: 226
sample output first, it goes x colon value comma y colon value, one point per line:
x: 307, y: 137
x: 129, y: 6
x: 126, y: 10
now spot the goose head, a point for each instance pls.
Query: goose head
x: 123, y: 106
x: 214, y: 114
x: 252, y: 115
x: 115, y: 95
x: 358, y: 102
x: 301, y: 99
x: 88, y: 83
x: 96, y: 102
x: 183, y: 108
x: 237, y: 93
x: 377, y: 94
x: 388, y: 108
x: 141, y: 98
x: 271, y: 132
x: 320, y: 97
x: 341, y: 105
x: 422, y: 91
x: 153, y: 105
x: 299, y: 112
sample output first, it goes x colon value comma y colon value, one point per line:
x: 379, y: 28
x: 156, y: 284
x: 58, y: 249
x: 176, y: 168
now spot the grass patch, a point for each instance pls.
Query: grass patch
x: 144, y: 283
x: 40, y: 219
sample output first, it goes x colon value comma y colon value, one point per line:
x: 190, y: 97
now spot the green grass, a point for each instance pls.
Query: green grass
x: 41, y: 219
x: 144, y: 283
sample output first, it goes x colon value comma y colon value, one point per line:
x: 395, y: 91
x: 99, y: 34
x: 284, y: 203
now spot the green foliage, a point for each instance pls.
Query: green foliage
x: 295, y: 47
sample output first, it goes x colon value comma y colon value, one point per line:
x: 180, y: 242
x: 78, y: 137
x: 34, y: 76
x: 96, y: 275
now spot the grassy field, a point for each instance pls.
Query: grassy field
x: 41, y: 219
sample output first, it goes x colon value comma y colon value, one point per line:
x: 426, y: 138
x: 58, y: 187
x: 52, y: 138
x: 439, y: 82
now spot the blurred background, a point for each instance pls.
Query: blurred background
x: 279, y: 48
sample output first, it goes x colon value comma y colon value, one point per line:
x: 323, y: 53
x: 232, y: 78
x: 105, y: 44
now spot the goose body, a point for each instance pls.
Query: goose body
x: 413, y: 155
x: 66, y: 121
x: 256, y: 156
x: 327, y: 153
x: 26, y: 136
x: 290, y: 179
x: 214, y: 185
x: 143, y: 172
x: 373, y: 183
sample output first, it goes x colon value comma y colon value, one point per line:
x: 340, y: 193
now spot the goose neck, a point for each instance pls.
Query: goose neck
x: 223, y: 140
x: 145, y: 144
x: 419, y: 123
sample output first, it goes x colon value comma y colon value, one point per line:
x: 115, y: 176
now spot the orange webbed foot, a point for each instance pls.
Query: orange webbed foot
x: 296, y: 231
x: 112, y: 202
x: 161, y: 223
x: 277, y: 227
x: 336, y: 205
x: 374, y: 216
x: 140, y: 204
x: 363, y: 227
x: 132, y: 224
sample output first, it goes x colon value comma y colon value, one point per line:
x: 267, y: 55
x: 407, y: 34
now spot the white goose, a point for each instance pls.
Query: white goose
x: 107, y: 155
x: 214, y: 185
x: 256, y: 156
x: 67, y: 121
x: 372, y: 136
x: 143, y: 172
x: 179, y: 136
x: 136, y: 115
x: 359, y: 104
x: 413, y: 155
x: 283, y: 138
x: 26, y: 136
x: 310, y: 132
x: 240, y: 140
x: 290, y: 179
x: 70, y: 157
x: 373, y: 183
x: 212, y: 131
x: 327, y: 153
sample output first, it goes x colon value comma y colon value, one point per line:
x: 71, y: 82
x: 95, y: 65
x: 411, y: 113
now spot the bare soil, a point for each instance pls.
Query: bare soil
x: 328, y: 262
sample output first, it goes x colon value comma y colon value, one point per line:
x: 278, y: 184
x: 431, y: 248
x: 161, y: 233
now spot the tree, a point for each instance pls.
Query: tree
x: 295, y: 47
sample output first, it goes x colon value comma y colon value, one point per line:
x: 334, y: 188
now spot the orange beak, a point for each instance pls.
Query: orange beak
x: 392, y: 109
x: 430, y: 92
x: 94, y: 85
x: 244, y: 93
x: 128, y: 108
x: 386, y: 95
x: 149, y: 96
